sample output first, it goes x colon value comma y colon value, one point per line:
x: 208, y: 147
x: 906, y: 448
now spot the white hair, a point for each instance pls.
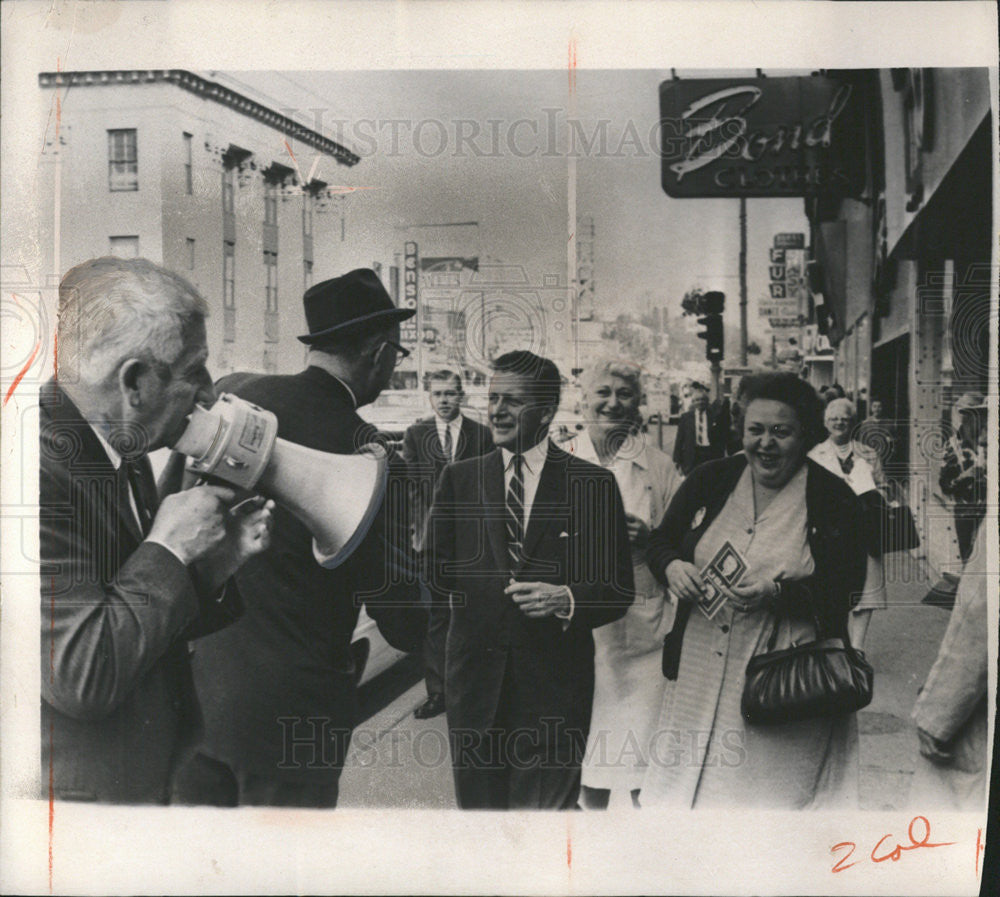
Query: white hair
x: 112, y: 309
x: 841, y: 405
x: 628, y: 371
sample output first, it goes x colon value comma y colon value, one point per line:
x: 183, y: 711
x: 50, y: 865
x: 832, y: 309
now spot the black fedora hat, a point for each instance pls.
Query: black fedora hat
x: 347, y: 303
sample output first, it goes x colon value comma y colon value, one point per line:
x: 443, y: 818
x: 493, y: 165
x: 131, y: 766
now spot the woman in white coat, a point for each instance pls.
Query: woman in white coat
x: 859, y: 466
x: 629, y: 687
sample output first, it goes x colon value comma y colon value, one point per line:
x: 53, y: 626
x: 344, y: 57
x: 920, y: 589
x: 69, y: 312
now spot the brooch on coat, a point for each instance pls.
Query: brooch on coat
x: 699, y: 515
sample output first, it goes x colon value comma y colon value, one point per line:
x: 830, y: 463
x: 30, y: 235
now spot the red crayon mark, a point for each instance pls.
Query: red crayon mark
x: 569, y: 850
x: 897, y: 852
x: 290, y: 153
x: 842, y: 863
x: 980, y: 847
x: 23, y: 371
x: 572, y: 64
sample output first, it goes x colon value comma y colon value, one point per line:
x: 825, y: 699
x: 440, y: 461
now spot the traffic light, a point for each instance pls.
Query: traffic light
x: 713, y: 336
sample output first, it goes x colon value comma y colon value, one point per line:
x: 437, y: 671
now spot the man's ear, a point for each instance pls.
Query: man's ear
x: 131, y: 375
x: 548, y: 416
x: 373, y: 346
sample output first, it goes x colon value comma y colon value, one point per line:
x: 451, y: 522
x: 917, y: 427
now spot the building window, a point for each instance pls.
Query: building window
x: 124, y: 247
x: 307, y: 274
x: 123, y: 165
x: 270, y: 202
x: 307, y: 215
x: 228, y: 189
x: 271, y: 270
x: 188, y: 182
x: 228, y: 274
x: 190, y: 253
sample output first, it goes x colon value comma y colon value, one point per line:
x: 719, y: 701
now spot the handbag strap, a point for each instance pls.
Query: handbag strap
x: 773, y: 638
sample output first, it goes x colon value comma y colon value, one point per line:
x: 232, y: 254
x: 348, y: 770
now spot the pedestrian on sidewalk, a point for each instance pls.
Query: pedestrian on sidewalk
x: 428, y: 445
x: 799, y: 529
x: 859, y: 467
x: 951, y: 709
x: 628, y: 688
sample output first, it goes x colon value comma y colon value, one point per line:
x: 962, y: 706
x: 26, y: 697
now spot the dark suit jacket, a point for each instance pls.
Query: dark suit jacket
x: 289, y: 657
x: 686, y: 440
x: 117, y: 696
x: 425, y: 459
x: 576, y: 536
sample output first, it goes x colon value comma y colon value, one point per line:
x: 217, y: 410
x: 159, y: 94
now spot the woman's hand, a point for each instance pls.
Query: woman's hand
x: 684, y: 580
x: 751, y: 595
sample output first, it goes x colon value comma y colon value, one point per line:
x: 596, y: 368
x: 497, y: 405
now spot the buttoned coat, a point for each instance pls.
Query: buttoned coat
x: 576, y: 536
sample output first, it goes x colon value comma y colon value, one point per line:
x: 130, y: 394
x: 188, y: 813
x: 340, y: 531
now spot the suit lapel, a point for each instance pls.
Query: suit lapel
x: 92, y: 459
x: 495, y: 505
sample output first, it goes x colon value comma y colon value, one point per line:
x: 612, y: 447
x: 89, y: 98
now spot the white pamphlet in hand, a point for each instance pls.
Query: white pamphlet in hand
x: 722, y: 572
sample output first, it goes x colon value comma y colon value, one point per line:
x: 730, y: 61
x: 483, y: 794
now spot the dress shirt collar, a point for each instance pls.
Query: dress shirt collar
x: 455, y: 423
x: 350, y: 392
x: 113, y: 456
x: 532, y: 459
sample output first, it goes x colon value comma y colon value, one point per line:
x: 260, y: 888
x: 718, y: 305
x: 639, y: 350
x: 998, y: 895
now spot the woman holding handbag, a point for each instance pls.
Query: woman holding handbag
x: 798, y: 528
x: 859, y: 466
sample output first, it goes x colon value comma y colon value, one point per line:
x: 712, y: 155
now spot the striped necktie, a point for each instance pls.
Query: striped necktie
x: 134, y: 475
x: 515, y: 514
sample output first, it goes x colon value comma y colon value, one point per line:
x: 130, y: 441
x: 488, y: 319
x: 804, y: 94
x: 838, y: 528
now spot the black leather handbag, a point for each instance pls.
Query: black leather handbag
x: 824, y: 677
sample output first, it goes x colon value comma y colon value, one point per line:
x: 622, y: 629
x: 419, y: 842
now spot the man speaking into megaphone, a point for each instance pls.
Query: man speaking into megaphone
x: 278, y: 688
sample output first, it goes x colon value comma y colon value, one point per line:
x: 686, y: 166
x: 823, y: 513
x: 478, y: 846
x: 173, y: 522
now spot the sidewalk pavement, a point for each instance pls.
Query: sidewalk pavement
x: 902, y: 645
x: 397, y: 761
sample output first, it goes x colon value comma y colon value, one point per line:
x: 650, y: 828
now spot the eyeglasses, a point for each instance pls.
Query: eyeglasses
x: 401, y: 353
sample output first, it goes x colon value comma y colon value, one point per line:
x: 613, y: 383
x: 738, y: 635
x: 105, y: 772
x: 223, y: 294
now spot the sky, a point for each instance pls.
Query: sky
x: 490, y: 146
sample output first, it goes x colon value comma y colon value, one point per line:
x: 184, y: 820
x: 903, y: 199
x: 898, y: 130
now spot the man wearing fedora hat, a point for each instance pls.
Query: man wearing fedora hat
x: 279, y: 692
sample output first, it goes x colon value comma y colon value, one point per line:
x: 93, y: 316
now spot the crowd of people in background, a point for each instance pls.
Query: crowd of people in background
x: 554, y: 581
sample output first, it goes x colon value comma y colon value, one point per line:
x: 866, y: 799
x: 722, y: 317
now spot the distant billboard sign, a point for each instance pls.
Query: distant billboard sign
x: 789, y: 241
x: 788, y: 287
x: 797, y: 136
x: 408, y: 330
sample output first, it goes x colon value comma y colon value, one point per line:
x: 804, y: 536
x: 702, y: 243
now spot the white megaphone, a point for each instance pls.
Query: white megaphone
x: 336, y: 496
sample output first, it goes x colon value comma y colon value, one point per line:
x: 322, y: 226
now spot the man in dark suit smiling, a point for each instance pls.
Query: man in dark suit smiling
x: 532, y: 548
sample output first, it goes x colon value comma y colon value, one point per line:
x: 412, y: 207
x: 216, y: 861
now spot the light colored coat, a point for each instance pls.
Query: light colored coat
x: 629, y: 687
x: 952, y: 704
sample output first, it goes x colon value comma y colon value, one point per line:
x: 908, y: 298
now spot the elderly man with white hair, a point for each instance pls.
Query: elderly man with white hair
x: 629, y: 686
x: 125, y: 579
x: 860, y: 467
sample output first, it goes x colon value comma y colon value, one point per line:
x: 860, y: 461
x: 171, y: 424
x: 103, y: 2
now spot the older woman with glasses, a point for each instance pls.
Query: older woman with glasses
x: 859, y: 466
x: 798, y: 529
x: 628, y: 688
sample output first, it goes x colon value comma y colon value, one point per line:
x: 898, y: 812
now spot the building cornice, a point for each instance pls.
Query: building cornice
x: 208, y: 90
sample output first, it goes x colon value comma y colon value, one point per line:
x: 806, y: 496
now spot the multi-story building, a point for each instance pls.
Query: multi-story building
x: 905, y: 270
x: 238, y: 197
